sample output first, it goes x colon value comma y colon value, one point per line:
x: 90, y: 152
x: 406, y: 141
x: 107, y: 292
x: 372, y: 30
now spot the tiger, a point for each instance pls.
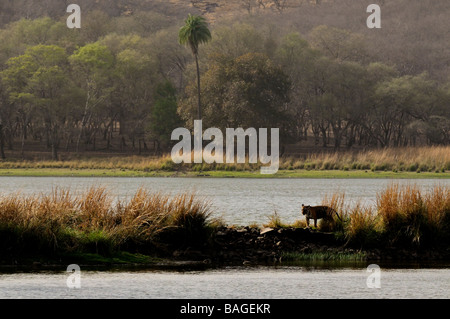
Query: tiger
x: 318, y: 212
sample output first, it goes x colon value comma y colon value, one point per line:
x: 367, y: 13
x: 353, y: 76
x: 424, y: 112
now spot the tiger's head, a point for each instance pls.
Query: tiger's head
x: 305, y: 209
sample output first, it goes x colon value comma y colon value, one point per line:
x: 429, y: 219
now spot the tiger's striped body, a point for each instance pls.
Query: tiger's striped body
x: 318, y: 212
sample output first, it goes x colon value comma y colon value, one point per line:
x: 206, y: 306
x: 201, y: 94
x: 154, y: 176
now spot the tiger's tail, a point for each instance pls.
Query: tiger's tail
x: 337, y: 215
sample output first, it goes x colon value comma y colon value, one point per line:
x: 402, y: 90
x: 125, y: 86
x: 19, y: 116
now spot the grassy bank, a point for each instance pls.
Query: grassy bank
x: 300, y: 173
x: 422, y: 162
x: 95, y: 228
x: 403, y: 216
x: 61, y: 224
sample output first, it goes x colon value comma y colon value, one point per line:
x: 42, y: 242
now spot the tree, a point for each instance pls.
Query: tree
x: 339, y: 44
x: 92, y: 63
x: 37, y: 80
x: 164, y: 118
x: 249, y: 91
x: 172, y: 58
x: 400, y: 102
x: 348, y: 92
x: 298, y: 61
x: 236, y: 40
x: 133, y: 79
x: 3, y: 101
x: 192, y: 34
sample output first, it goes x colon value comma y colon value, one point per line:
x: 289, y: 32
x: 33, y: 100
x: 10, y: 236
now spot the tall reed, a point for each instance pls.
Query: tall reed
x: 337, y: 203
x: 409, y: 215
x: 91, y: 222
x: 402, y: 216
x: 362, y: 226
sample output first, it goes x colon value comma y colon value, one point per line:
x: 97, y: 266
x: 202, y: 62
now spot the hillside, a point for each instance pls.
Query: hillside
x: 213, y: 9
x: 344, y: 85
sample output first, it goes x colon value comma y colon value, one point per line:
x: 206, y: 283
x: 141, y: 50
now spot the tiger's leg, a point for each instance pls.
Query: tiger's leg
x: 307, y: 222
x: 315, y: 222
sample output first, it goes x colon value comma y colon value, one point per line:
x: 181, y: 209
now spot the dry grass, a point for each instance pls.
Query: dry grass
x: 410, y: 215
x: 362, y: 226
x: 275, y: 222
x: 435, y: 158
x: 403, y: 215
x: 416, y: 159
x: 337, y: 202
x: 91, y: 222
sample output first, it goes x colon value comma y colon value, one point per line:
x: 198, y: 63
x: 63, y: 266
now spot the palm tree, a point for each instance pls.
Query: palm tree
x: 195, y: 32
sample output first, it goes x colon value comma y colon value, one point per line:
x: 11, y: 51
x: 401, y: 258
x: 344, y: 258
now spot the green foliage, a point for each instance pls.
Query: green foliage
x: 164, y: 116
x: 92, y: 57
x: 74, y: 89
x: 248, y: 91
x: 235, y: 40
x: 194, y: 32
x: 339, y: 44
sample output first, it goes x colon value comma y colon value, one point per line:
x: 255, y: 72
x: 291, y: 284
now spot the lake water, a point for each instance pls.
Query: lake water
x: 240, y: 201
x: 232, y: 283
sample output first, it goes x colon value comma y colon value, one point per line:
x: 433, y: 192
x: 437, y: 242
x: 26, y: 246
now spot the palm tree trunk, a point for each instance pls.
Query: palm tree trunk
x: 199, y: 115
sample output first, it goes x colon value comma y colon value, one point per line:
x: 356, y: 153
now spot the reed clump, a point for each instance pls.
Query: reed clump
x: 93, y: 223
x: 402, y: 216
x: 409, y: 215
x: 362, y: 226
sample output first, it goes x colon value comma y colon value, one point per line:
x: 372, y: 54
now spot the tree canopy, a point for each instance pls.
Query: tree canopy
x: 122, y: 82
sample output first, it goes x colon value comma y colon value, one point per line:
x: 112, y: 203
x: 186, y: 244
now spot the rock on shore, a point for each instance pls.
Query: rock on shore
x: 251, y: 245
x: 248, y: 245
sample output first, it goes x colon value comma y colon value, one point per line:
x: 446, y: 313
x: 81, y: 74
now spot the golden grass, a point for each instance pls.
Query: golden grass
x: 416, y: 159
x: 62, y: 221
x: 432, y: 158
x: 362, y: 225
x: 409, y: 214
x: 275, y: 222
x: 337, y: 202
x: 402, y: 215
x: 94, y: 222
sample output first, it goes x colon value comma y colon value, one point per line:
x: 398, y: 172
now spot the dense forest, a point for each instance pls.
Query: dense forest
x: 122, y: 82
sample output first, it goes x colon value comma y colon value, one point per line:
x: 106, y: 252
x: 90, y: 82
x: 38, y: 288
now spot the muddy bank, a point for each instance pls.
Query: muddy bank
x: 247, y: 245
x: 234, y: 246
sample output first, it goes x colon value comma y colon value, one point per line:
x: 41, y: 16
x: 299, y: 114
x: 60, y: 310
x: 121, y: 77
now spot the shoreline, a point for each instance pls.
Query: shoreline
x: 300, y: 173
x: 231, y: 246
x: 152, y: 230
